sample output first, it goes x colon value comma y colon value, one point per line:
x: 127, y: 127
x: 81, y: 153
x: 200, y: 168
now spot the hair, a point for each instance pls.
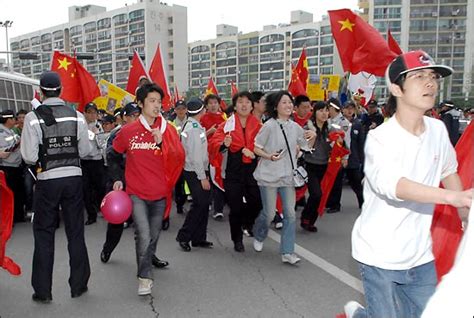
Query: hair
x: 336, y: 102
x: 257, y: 95
x: 8, y: 112
x: 301, y: 99
x: 324, y: 132
x: 391, y: 106
x: 144, y: 90
x: 211, y: 96
x: 272, y: 101
x: 21, y: 112
x: 240, y: 95
x: 51, y: 94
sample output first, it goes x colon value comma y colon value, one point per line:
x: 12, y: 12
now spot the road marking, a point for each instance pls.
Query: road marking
x: 329, y: 268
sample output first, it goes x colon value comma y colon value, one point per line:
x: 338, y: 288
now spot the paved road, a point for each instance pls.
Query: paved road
x: 202, y: 283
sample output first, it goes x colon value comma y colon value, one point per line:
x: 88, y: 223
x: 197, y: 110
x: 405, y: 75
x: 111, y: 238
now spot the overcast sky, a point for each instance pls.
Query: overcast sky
x: 203, y: 15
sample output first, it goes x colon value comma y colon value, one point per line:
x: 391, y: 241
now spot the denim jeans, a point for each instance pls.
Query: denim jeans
x: 147, y: 217
x: 262, y: 223
x: 396, y: 293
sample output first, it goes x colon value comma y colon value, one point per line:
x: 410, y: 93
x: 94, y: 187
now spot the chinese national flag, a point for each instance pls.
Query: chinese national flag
x: 78, y: 85
x: 233, y: 89
x: 446, y: 228
x: 296, y: 86
x: 360, y: 46
x: 157, y: 75
x: 392, y: 43
x: 212, y: 89
x: 301, y: 69
x: 334, y: 164
x: 137, y: 71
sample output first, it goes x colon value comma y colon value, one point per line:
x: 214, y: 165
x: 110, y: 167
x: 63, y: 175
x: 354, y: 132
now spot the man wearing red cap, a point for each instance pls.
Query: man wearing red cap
x: 406, y: 159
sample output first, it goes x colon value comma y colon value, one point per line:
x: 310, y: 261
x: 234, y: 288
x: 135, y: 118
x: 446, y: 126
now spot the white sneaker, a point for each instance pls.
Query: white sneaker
x: 257, y: 246
x: 218, y: 216
x: 290, y: 258
x: 351, y: 307
x: 278, y: 225
x: 144, y: 286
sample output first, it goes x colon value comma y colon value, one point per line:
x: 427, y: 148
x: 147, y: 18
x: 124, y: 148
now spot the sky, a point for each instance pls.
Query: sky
x: 203, y: 15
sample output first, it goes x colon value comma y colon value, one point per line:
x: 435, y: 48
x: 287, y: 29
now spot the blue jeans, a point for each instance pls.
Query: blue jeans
x: 262, y: 223
x: 396, y: 293
x: 147, y: 217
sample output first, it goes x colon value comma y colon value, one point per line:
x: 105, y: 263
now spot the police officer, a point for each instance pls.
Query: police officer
x: 56, y: 137
x: 10, y: 162
x: 338, y: 122
x: 195, y: 145
x: 180, y: 110
x: 450, y: 117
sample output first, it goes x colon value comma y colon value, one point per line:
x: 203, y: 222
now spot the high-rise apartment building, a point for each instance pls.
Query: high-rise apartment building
x: 108, y: 38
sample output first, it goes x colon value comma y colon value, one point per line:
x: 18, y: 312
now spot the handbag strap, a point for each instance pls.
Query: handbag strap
x: 288, y: 147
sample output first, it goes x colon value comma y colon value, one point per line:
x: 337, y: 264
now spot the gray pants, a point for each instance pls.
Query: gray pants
x: 147, y: 217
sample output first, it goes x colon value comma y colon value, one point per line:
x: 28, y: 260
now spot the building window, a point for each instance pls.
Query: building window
x: 89, y: 27
x: 137, y: 15
x: 120, y: 19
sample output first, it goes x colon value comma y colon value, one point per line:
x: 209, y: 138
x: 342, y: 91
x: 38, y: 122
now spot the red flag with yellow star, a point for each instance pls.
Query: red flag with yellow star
x: 78, y: 85
x: 334, y: 164
x: 296, y: 86
x: 301, y: 68
x: 157, y: 75
x: 212, y: 89
x: 360, y: 46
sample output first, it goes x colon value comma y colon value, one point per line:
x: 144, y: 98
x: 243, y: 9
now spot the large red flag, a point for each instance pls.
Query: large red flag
x: 446, y: 228
x: 301, y: 68
x: 334, y: 165
x: 137, y: 71
x: 78, y: 85
x: 157, y: 75
x: 212, y: 89
x: 360, y: 46
x: 296, y: 87
x: 6, y: 223
x: 393, y: 44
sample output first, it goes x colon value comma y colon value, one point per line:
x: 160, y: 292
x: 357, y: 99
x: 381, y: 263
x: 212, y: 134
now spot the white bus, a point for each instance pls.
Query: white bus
x: 16, y: 91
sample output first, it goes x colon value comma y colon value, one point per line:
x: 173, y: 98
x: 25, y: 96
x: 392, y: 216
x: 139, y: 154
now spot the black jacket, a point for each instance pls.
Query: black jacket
x: 358, y: 135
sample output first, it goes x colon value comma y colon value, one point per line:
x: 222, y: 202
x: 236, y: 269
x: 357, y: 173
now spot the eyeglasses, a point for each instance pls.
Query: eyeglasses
x: 422, y: 76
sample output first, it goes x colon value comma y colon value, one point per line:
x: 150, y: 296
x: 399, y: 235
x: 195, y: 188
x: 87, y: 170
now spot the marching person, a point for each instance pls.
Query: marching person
x: 154, y: 159
x: 56, y: 137
x: 406, y: 159
x: 450, y: 117
x: 181, y: 111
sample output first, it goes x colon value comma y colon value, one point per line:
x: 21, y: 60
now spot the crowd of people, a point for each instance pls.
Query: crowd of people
x: 57, y: 159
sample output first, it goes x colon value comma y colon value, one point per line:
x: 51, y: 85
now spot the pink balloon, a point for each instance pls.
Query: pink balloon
x: 116, y: 207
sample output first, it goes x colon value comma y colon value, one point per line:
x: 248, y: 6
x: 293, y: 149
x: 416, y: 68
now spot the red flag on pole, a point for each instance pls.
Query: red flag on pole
x: 233, y: 89
x: 296, y: 87
x: 158, y: 75
x: 212, y: 89
x: 301, y: 69
x: 446, y: 228
x: 360, y: 46
x: 78, y: 85
x: 137, y: 71
x: 392, y: 43
x: 334, y: 165
x: 176, y: 94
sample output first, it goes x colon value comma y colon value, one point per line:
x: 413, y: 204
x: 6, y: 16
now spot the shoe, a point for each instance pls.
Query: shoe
x: 247, y: 232
x: 158, y: 263
x: 351, y: 307
x: 90, y: 221
x: 333, y: 210
x: 257, y: 246
x: 165, y: 224
x: 79, y: 292
x: 144, y: 286
x: 105, y: 256
x: 309, y: 227
x: 239, y: 247
x: 277, y: 221
x: 42, y: 299
x: 180, y: 210
x: 204, y: 244
x: 290, y: 258
x: 278, y: 225
x: 218, y: 216
x: 184, y: 245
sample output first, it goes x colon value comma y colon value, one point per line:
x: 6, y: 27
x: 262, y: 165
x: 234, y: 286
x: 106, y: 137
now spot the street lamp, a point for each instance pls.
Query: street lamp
x: 7, y: 24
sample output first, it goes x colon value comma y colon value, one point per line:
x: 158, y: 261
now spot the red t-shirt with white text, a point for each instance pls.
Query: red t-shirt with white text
x: 144, y: 169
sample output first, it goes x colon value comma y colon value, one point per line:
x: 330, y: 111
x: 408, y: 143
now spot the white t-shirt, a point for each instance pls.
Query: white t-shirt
x: 390, y: 233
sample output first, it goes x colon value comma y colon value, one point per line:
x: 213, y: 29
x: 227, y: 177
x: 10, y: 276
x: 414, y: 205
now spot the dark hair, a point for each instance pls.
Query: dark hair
x: 272, y: 101
x: 21, y: 112
x: 301, y: 99
x: 50, y: 94
x: 240, y: 95
x: 211, y: 96
x: 145, y: 89
x: 391, y: 106
x: 323, y: 133
x: 7, y: 112
x: 257, y: 95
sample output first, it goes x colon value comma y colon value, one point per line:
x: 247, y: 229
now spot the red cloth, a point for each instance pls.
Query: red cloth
x: 239, y: 141
x: 137, y: 70
x: 78, y: 85
x: 6, y: 223
x: 150, y: 171
x: 334, y: 164
x: 212, y: 89
x: 392, y: 44
x: 301, y: 69
x: 296, y: 86
x: 446, y: 230
x: 233, y: 89
x: 157, y: 75
x: 301, y: 121
x: 360, y: 46
x: 210, y: 119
